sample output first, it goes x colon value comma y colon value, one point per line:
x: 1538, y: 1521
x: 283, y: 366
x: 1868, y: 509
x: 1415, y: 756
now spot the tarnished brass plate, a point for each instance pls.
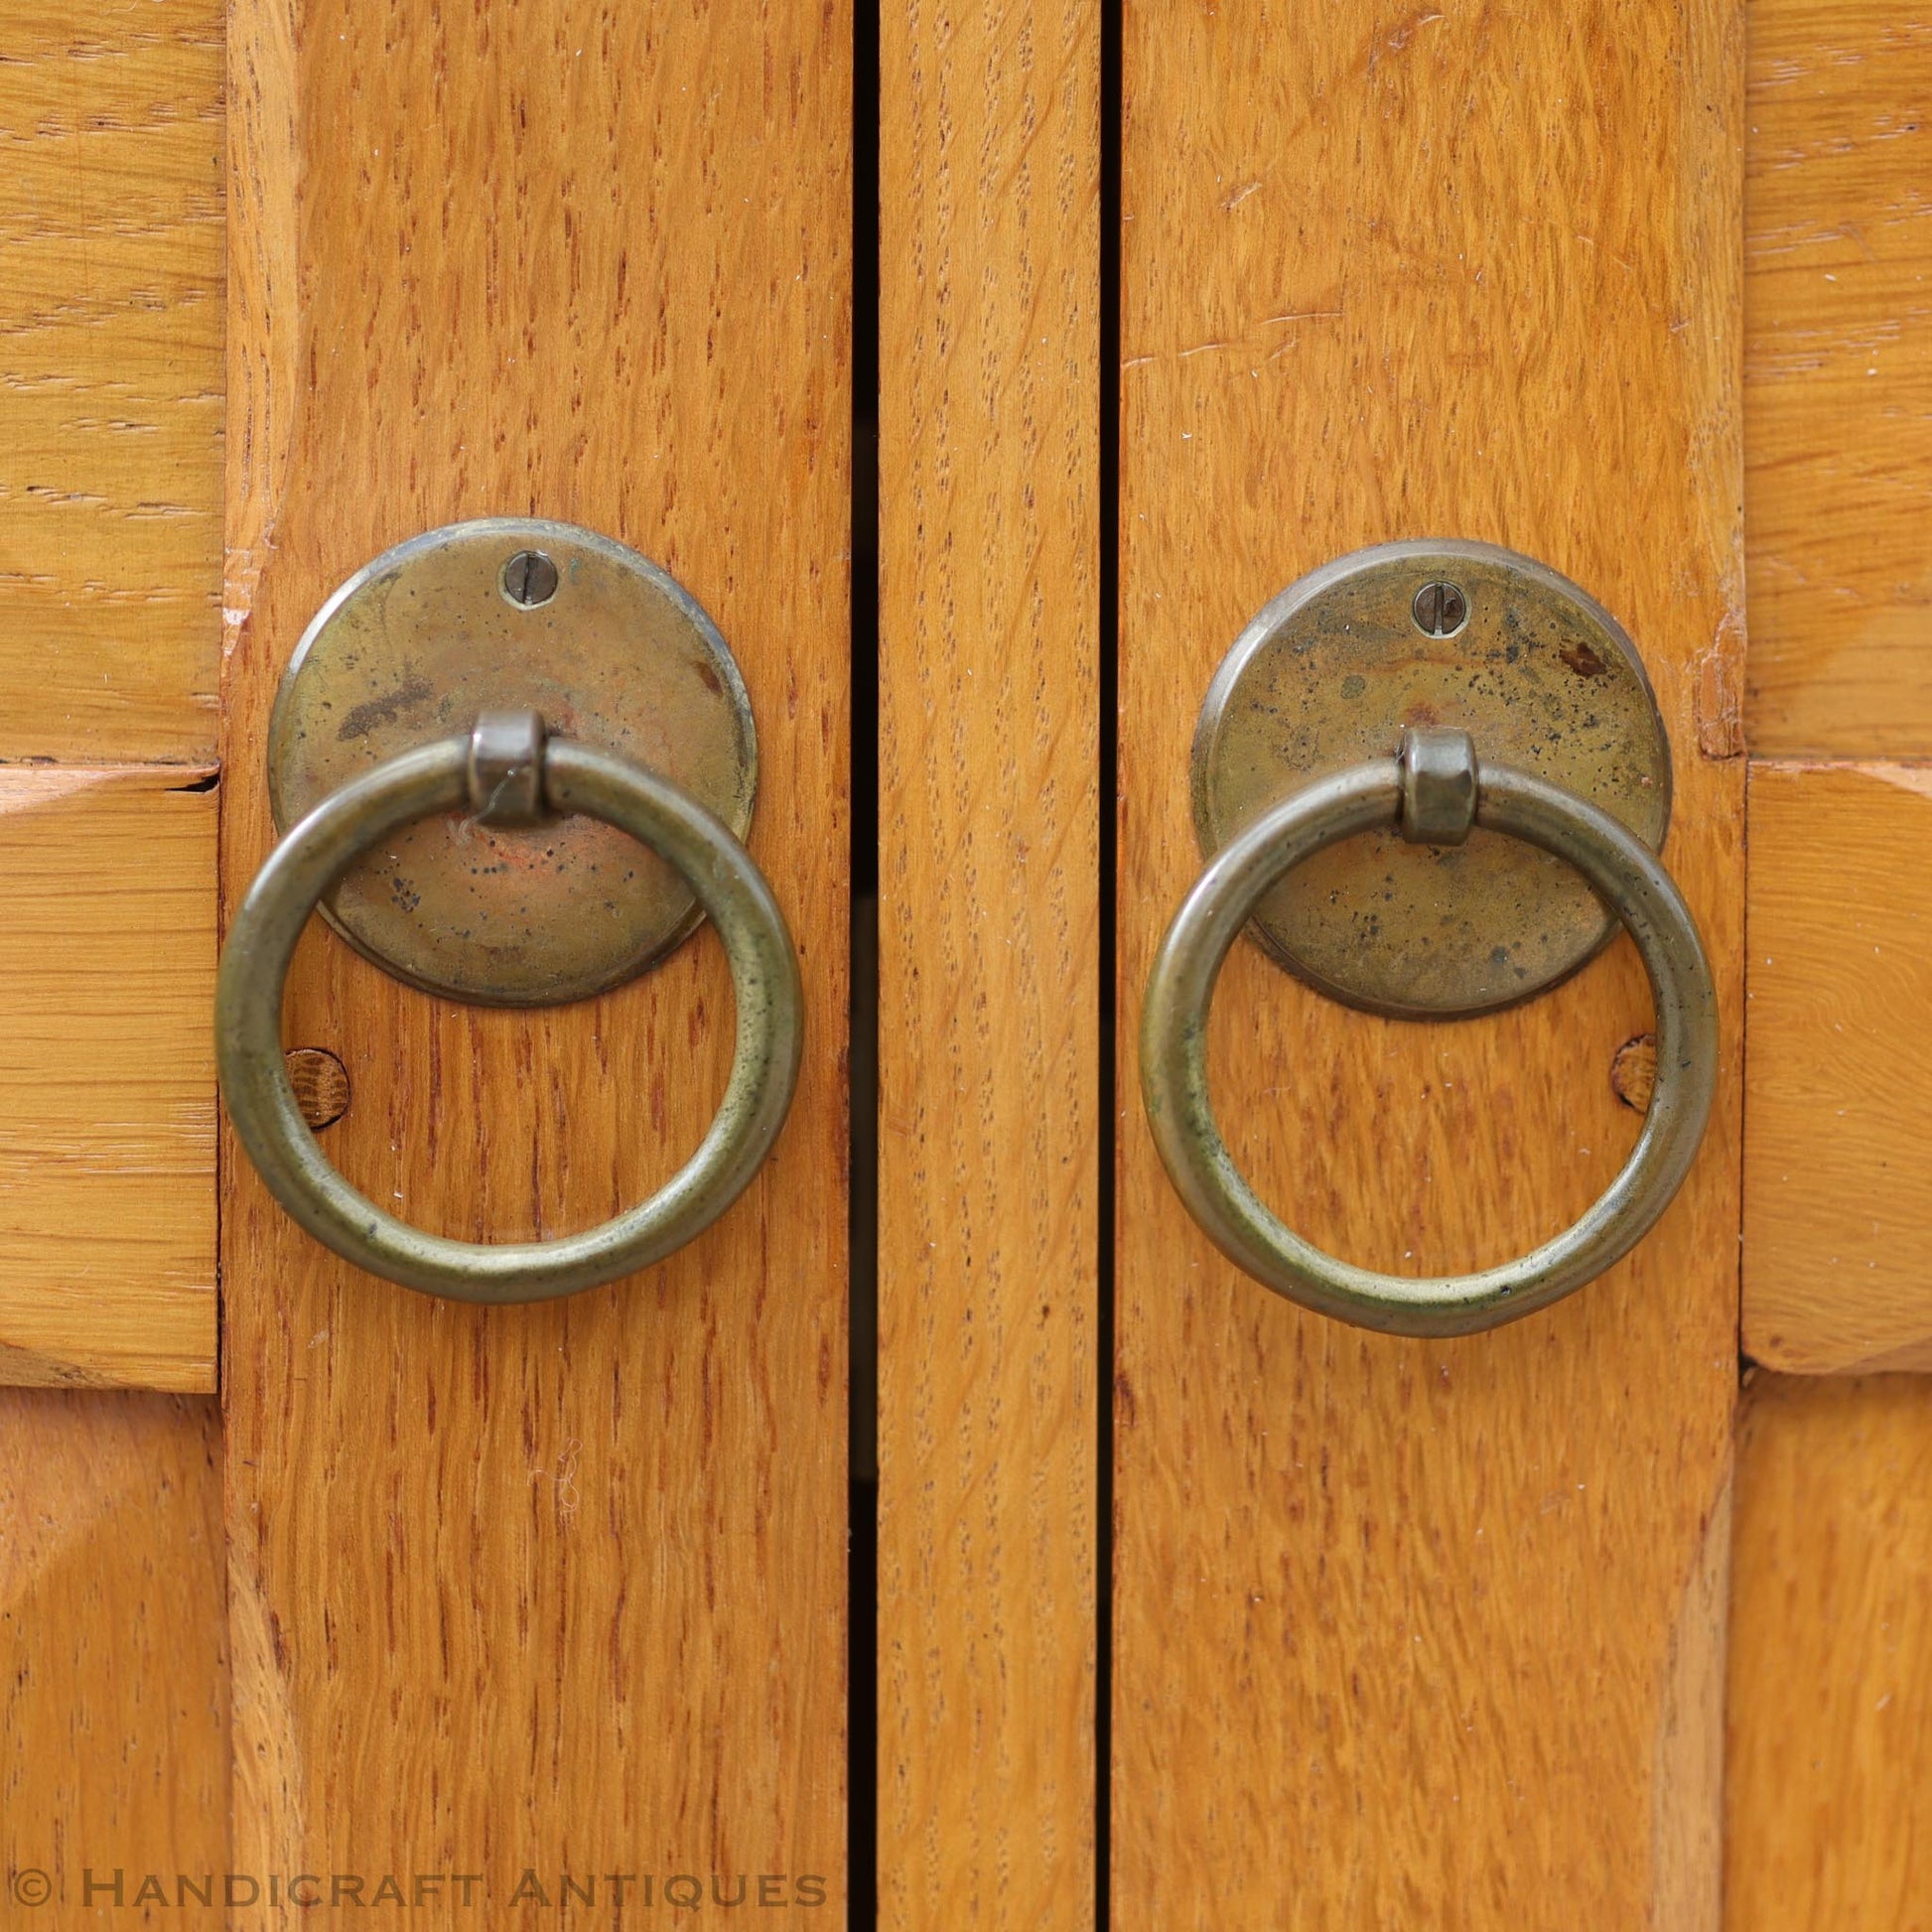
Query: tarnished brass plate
x: 1420, y: 634
x: 505, y: 614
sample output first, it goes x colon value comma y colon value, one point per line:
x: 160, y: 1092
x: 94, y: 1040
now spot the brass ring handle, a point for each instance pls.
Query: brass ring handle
x: 561, y: 776
x: 1434, y: 791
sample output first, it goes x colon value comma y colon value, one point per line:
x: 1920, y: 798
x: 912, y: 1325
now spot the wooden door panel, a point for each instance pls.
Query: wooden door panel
x: 1838, y: 1197
x: 1839, y: 445
x: 106, y: 1091
x: 110, y: 379
x: 113, y: 1657
x: 561, y: 1588
x: 114, y: 1734
x: 1419, y: 1631
x: 110, y: 518
x: 1830, y: 1754
x: 1827, y: 1715
x: 1839, y: 377
x: 989, y: 973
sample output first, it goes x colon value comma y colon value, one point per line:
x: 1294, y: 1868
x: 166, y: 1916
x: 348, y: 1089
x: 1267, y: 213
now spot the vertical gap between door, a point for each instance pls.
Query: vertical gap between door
x: 862, y: 1691
x: 1111, y: 107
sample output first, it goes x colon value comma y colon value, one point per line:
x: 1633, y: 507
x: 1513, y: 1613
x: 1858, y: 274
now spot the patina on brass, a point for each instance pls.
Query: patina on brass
x: 1411, y: 636
x: 513, y: 615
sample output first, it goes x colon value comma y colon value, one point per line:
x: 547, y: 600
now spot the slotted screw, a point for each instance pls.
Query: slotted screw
x: 1439, y: 610
x: 529, y: 580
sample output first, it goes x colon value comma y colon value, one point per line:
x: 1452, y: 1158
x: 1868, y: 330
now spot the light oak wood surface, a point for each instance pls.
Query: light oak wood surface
x: 560, y: 1587
x: 1413, y: 1633
x: 113, y: 1665
x: 989, y: 965
x: 106, y: 1077
x: 110, y: 377
x: 113, y: 1656
x: 1838, y: 1196
x: 1839, y: 377
x: 1830, y: 1759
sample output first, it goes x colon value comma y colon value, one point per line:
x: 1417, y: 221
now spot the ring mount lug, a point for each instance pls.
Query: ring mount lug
x: 1438, y: 787
x: 506, y: 769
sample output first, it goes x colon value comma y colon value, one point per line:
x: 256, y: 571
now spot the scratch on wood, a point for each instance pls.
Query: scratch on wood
x: 1720, y: 690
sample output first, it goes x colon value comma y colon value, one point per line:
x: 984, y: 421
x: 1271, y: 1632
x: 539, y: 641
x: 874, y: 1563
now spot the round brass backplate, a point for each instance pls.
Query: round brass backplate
x: 513, y: 613
x: 1435, y: 632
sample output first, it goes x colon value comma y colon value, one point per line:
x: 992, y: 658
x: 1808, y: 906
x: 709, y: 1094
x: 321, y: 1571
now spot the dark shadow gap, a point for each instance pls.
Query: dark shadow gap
x: 862, y: 1696
x: 1111, y: 106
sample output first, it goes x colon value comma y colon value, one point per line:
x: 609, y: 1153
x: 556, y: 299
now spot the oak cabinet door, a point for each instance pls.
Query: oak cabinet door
x: 951, y: 1536
x: 1417, y: 1631
x: 1539, y: 1623
x: 591, y: 262
x: 516, y: 1609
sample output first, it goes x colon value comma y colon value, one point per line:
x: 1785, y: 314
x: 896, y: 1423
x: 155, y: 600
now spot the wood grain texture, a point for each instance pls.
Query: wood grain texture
x: 1426, y: 1633
x: 110, y: 377
x: 572, y: 1575
x: 113, y: 1654
x: 321, y: 1084
x: 1829, y: 1774
x: 1837, y: 419
x: 107, y: 1078
x: 989, y: 989
x: 1838, y: 1199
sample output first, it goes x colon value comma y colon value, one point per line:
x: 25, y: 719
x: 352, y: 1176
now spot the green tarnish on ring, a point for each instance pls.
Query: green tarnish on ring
x: 1625, y: 874
x: 443, y: 776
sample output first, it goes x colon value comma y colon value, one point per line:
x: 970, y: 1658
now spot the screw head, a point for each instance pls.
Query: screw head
x: 1439, y: 610
x: 529, y: 579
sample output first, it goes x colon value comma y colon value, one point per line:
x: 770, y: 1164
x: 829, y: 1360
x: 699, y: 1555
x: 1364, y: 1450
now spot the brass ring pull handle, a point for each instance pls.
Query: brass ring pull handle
x: 508, y: 773
x: 1434, y: 791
